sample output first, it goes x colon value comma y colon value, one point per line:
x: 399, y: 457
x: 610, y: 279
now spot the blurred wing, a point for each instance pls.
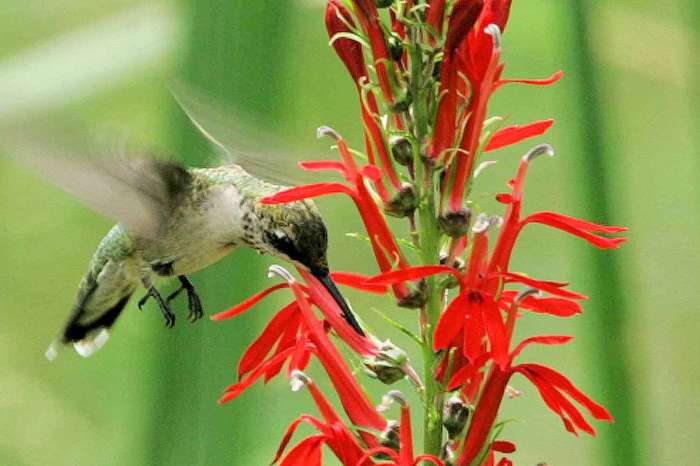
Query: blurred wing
x: 259, y: 153
x: 140, y: 193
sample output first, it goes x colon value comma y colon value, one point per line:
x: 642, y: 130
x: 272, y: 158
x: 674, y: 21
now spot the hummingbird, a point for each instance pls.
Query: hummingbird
x: 174, y: 221
x: 193, y: 218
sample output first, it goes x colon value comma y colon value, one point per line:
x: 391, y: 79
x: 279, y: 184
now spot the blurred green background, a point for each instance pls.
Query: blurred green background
x: 627, y: 144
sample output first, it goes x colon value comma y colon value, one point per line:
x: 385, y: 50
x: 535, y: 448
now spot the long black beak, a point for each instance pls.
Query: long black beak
x: 347, y: 313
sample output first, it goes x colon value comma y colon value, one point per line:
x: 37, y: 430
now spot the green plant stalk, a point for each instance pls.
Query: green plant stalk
x: 429, y: 237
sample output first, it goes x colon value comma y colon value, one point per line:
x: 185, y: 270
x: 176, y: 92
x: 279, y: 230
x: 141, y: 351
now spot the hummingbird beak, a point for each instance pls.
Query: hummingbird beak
x: 348, y: 315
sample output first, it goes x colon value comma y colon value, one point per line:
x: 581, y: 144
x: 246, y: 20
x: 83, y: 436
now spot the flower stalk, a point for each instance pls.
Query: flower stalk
x: 425, y: 79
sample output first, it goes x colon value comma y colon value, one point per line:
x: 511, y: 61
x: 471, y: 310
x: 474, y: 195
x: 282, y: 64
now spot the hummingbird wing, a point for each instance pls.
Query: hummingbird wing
x: 140, y: 193
x: 260, y: 153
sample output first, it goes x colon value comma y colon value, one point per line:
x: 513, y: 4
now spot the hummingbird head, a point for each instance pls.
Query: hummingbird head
x: 299, y: 235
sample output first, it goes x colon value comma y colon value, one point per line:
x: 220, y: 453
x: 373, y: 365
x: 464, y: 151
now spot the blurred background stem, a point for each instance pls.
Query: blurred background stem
x: 607, y: 314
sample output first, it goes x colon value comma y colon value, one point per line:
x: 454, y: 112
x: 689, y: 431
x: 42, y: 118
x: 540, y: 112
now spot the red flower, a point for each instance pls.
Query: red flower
x: 332, y: 432
x: 386, y: 250
x: 298, y: 334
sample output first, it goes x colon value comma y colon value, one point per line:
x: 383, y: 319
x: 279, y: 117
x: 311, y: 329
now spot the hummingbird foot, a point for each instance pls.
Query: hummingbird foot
x: 168, y: 313
x: 194, y: 302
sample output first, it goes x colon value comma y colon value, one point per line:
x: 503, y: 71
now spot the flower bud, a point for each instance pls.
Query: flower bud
x: 401, y: 150
x: 389, y: 438
x: 455, y: 223
x: 403, y: 203
x: 395, y: 47
x: 349, y: 51
x: 402, y: 102
x: 416, y: 297
x: 388, y: 365
x: 455, y: 414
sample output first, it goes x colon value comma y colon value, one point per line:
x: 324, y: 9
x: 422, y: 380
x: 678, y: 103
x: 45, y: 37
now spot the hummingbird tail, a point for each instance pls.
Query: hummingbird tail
x: 88, y: 337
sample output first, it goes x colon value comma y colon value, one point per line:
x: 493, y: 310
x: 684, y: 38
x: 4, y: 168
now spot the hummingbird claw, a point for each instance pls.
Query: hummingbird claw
x: 168, y: 313
x: 194, y: 303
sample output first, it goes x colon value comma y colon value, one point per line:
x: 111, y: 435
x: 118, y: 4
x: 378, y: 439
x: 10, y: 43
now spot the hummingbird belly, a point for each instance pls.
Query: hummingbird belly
x: 199, y: 234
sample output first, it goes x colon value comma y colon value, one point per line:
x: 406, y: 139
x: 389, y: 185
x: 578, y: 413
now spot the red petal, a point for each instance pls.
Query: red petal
x: 307, y: 192
x: 450, y: 323
x: 474, y: 330
x: 290, y: 431
x: 466, y: 372
x: 358, y: 281
x: 496, y: 332
x: 503, y: 446
x: 505, y: 462
x: 338, y: 18
x: 536, y: 82
x: 256, y: 352
x: 580, y: 228
x: 356, y: 405
x: 560, y: 381
x: 514, y: 134
x: 247, y: 304
x: 462, y: 18
x: 411, y: 273
x: 555, y: 306
x: 367, y: 457
x: 290, y: 339
x: 542, y: 340
x: 554, y: 288
x: 551, y: 397
x: 371, y: 172
x: 331, y: 311
x: 504, y: 198
x: 232, y: 391
x: 425, y: 457
x: 497, y: 12
x: 306, y: 453
x: 405, y: 436
x: 322, y: 165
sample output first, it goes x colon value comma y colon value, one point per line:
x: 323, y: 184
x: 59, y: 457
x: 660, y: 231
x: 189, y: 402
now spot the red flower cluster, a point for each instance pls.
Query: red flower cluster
x: 424, y: 82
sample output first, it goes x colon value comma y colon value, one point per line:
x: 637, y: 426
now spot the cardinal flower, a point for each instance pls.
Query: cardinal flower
x: 424, y: 73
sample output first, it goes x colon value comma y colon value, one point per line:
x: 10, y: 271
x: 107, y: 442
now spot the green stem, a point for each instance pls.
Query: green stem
x: 430, y: 251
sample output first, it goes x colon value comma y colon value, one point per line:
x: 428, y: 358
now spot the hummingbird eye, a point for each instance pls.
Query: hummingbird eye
x: 281, y: 242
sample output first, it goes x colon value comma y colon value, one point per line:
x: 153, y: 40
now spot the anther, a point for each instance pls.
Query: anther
x: 394, y: 396
x: 298, y: 380
x: 542, y: 149
x: 482, y: 224
x: 281, y: 271
x: 483, y: 166
x: 322, y: 131
x: 495, y: 32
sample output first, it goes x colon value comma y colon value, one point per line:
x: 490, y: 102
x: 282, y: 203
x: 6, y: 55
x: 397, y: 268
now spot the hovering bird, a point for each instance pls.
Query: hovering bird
x: 174, y: 221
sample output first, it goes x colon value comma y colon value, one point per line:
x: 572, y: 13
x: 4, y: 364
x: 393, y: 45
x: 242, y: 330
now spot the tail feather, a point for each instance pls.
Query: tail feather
x: 76, y: 331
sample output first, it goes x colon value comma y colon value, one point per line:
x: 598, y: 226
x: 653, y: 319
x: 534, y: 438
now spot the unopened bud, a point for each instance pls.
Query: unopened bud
x: 455, y: 415
x: 389, y: 438
x: 403, y: 203
x: 455, y: 223
x: 403, y: 102
x: 395, y: 47
x: 437, y: 69
x: 387, y: 365
x: 402, y: 150
x: 416, y: 297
